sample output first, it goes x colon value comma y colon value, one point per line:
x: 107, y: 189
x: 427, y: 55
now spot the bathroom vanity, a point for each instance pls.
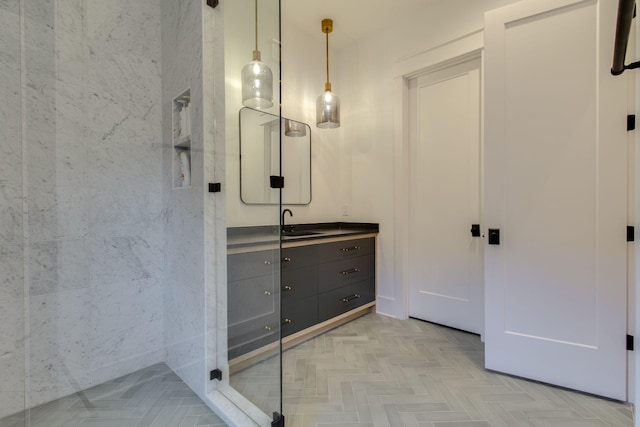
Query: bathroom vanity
x: 323, y: 276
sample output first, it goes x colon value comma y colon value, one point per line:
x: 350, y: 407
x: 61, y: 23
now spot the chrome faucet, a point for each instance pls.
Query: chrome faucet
x: 284, y: 212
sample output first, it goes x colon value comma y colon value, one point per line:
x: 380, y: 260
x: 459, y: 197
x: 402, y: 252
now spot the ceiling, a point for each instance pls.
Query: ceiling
x: 352, y: 19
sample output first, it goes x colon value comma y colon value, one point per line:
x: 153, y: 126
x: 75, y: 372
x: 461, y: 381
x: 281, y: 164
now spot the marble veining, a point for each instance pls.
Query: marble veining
x: 94, y: 219
x: 12, y: 277
x: 10, y: 213
x: 58, y: 265
x: 11, y: 107
x: 12, y: 354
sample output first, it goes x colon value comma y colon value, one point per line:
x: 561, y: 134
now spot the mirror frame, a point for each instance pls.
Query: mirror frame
x: 284, y: 201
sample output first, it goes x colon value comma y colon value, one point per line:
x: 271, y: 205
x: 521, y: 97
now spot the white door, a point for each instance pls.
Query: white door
x: 555, y: 187
x: 445, y: 271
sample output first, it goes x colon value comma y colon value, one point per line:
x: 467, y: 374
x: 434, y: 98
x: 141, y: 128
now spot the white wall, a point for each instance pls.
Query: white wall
x: 366, y: 74
x: 303, y: 77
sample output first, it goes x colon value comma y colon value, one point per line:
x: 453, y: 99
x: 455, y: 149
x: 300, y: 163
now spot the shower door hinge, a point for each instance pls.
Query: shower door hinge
x: 276, y: 181
x: 215, y: 187
x: 631, y: 122
x: 631, y: 233
x: 216, y: 374
x: 630, y: 342
x: 278, y: 420
x: 212, y: 3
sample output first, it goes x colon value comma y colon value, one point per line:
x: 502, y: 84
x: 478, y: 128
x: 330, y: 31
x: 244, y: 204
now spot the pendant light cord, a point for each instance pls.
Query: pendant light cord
x: 256, y: 2
x: 327, y: 34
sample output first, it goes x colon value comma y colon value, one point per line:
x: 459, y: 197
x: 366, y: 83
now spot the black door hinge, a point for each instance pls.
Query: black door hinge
x: 475, y: 230
x: 216, y: 374
x: 631, y: 233
x: 276, y: 181
x: 278, y: 420
x: 212, y: 3
x: 631, y: 122
x: 215, y: 187
x: 630, y: 342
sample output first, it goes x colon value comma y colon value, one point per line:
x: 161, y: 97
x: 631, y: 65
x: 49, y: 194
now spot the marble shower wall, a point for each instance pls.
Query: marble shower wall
x: 12, y: 366
x: 184, y: 297
x: 88, y: 245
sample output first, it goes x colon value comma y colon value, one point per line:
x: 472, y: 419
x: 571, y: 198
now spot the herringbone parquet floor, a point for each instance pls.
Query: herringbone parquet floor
x: 372, y: 372
x: 380, y: 372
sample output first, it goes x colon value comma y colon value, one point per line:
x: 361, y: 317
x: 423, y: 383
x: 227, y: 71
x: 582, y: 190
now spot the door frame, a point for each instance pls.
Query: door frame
x: 445, y: 310
x: 440, y: 57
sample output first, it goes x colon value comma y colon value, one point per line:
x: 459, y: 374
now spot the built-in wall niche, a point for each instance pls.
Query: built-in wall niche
x: 181, y: 119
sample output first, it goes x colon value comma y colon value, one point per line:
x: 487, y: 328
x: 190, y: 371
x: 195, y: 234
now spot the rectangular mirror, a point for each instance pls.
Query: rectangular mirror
x: 260, y: 135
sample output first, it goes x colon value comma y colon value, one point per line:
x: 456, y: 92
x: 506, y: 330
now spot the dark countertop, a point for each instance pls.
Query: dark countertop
x: 260, y: 235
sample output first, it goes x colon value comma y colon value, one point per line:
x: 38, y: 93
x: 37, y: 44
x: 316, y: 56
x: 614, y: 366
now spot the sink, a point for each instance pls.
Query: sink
x: 299, y: 233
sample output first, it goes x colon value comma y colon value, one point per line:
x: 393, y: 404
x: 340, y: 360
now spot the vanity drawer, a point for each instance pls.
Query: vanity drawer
x: 252, y: 264
x: 340, y: 273
x: 298, y: 284
x: 251, y: 298
x: 250, y: 335
x: 299, y: 315
x: 300, y: 256
x: 346, y: 249
x: 338, y: 301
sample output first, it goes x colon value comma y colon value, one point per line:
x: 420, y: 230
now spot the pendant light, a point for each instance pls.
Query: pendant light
x: 328, y: 104
x: 257, y: 79
x: 294, y: 129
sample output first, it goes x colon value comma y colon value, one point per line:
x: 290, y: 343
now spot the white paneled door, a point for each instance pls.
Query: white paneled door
x: 555, y: 187
x: 445, y: 271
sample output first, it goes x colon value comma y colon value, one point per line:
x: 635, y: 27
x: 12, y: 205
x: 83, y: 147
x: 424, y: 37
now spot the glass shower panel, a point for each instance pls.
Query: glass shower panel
x: 252, y: 347
x: 12, y: 313
x: 89, y: 170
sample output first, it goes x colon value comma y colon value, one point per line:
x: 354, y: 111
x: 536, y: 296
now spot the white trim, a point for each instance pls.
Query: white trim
x: 454, y: 52
x: 439, y: 56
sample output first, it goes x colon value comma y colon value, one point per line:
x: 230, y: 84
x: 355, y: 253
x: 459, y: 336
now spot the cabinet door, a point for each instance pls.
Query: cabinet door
x: 251, y: 298
x: 299, y: 315
x: 253, y: 318
x: 555, y: 180
x: 299, y: 284
x: 336, y: 274
x: 252, y: 264
x: 346, y: 249
x: 300, y: 256
x: 341, y: 300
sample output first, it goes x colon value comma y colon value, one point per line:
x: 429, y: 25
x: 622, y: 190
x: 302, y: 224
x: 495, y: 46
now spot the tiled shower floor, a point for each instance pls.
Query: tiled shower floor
x: 151, y: 397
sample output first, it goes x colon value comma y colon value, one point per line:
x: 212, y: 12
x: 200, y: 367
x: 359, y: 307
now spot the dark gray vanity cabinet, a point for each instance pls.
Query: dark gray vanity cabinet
x: 253, y: 299
x: 313, y: 281
x: 324, y: 280
x: 346, y: 276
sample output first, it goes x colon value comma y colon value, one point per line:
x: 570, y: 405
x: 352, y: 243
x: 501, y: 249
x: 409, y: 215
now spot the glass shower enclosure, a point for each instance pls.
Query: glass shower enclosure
x: 118, y: 119
x: 253, y: 230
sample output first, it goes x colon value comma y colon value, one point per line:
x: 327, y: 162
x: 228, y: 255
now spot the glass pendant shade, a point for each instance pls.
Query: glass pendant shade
x: 294, y: 129
x: 257, y: 84
x: 328, y: 110
x: 328, y: 104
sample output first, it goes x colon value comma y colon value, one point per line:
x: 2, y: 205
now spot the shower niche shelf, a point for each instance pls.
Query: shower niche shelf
x: 181, y: 120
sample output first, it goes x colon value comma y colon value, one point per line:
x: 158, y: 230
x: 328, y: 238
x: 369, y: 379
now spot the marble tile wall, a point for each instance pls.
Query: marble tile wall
x: 184, y: 298
x: 92, y: 255
x: 12, y: 321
